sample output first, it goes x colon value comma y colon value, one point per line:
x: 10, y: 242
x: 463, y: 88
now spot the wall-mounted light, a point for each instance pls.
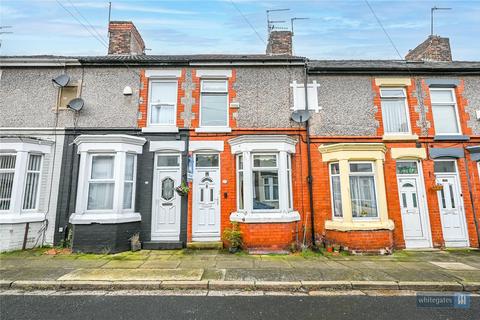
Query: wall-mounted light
x: 127, y: 91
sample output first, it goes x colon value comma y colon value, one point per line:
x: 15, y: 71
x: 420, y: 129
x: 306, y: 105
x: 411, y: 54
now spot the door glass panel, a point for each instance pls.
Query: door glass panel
x: 211, y: 195
x: 168, y: 161
x: 407, y: 167
x: 206, y: 160
x: 167, y: 188
x: 414, y: 200
x: 452, y: 199
x: 201, y: 195
x: 404, y: 200
x: 442, y: 196
x: 444, y: 166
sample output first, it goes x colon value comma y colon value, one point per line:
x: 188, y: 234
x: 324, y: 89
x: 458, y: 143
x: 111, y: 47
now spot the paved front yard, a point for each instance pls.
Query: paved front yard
x: 441, y: 266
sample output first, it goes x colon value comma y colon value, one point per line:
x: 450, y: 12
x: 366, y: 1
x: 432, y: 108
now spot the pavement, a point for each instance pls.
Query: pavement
x: 452, y: 270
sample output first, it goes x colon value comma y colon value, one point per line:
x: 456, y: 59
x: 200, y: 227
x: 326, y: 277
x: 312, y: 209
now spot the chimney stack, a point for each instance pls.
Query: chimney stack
x: 124, y: 39
x: 279, y: 43
x: 435, y: 48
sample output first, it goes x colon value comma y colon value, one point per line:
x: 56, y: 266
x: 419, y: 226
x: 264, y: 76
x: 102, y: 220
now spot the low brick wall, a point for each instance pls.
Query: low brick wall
x: 268, y: 236
x: 363, y: 241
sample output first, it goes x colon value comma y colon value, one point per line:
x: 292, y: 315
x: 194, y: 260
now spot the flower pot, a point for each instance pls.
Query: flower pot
x: 233, y: 249
x: 181, y: 193
x: 330, y: 249
x: 437, y: 187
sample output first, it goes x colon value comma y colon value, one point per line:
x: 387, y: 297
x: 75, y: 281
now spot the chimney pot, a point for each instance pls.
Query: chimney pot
x: 124, y: 39
x: 435, y: 48
x: 279, y: 43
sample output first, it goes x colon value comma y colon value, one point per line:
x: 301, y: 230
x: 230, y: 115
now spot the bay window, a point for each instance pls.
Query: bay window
x: 214, y: 103
x: 357, y: 186
x: 264, y: 182
x: 445, y: 113
x: 106, y: 182
x: 394, y: 111
x: 21, y: 169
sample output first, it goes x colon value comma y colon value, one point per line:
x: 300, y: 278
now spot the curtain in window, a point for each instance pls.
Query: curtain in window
x: 163, y: 114
x: 445, y: 119
x: 32, y: 182
x: 162, y: 102
x: 7, y: 172
x: 214, y: 110
x: 101, y: 186
x: 394, y: 116
x: 362, y: 193
x: 337, y: 197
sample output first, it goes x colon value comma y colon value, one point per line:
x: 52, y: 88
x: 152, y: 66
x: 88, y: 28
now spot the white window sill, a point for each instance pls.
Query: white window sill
x: 12, y: 218
x: 396, y: 137
x: 265, y: 217
x: 356, y: 225
x: 153, y: 129
x: 104, y: 218
x: 214, y: 129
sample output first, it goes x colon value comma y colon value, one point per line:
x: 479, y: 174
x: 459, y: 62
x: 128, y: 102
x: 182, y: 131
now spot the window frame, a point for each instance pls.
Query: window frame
x: 74, y: 84
x: 455, y: 165
x: 365, y: 174
x: 113, y: 180
x: 312, y: 105
x: 150, y: 104
x: 450, y: 103
x: 214, y: 93
x: 205, y: 153
x: 332, y: 203
x: 240, y: 195
x: 40, y: 176
x: 133, y: 182
x: 259, y: 169
x: 13, y: 180
x: 406, y: 106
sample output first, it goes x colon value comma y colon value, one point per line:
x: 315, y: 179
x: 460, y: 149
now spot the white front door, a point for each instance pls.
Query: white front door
x: 206, y: 198
x: 166, y: 201
x: 415, y: 222
x: 452, y: 215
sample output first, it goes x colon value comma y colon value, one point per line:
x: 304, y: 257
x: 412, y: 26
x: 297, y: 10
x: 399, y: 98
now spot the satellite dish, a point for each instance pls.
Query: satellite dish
x: 61, y: 80
x: 300, y: 116
x: 76, y: 104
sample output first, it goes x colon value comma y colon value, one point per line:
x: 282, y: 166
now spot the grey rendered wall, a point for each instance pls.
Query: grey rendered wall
x: 347, y: 106
x: 28, y: 97
x: 472, y: 94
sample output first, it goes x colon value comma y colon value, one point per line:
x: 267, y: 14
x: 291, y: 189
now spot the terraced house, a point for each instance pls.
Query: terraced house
x: 176, y: 148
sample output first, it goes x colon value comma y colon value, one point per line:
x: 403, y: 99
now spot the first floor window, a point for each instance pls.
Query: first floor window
x: 394, y: 110
x: 101, y: 184
x: 7, y: 173
x: 444, y: 108
x: 32, y: 182
x: 162, y: 102
x: 362, y: 190
x: 335, y: 189
x: 265, y: 182
x: 214, y: 103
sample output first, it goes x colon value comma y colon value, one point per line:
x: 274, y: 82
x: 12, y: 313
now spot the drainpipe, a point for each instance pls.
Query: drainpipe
x: 309, y: 157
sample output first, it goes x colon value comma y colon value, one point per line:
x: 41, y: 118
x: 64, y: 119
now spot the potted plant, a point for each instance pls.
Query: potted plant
x: 135, y: 243
x: 182, y: 189
x: 233, y: 236
x: 437, y: 187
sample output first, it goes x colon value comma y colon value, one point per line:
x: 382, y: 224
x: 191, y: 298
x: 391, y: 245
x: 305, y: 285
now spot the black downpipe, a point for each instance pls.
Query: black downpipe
x: 309, y: 178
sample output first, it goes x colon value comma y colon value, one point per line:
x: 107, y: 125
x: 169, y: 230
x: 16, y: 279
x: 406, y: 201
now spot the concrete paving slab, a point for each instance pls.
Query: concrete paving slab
x: 134, y: 275
x: 260, y: 274
x: 191, y: 264
x: 464, y: 275
x: 453, y: 265
x: 34, y: 274
x: 123, y: 264
x: 160, y: 264
x: 409, y: 275
x: 269, y: 264
x: 226, y: 264
x: 213, y: 274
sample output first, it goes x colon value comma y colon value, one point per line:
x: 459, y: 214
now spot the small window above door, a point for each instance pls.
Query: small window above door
x: 206, y: 161
x: 168, y: 161
x: 445, y: 167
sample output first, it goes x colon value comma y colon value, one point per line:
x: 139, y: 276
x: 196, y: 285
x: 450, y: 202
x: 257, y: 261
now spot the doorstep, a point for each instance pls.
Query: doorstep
x: 162, y: 245
x: 203, y: 245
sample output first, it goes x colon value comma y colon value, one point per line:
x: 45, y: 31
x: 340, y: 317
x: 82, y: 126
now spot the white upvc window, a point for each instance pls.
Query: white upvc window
x: 445, y: 112
x: 299, y: 96
x: 335, y: 190
x: 7, y: 175
x: 21, y: 166
x: 264, y: 179
x: 107, y: 179
x: 214, y: 103
x: 395, y: 113
x: 362, y: 190
x: 162, y: 103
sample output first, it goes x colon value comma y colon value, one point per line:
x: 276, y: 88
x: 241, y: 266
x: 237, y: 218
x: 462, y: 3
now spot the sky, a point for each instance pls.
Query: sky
x: 334, y: 29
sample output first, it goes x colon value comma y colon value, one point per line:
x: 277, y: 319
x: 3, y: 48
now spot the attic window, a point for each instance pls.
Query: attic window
x: 66, y: 94
x: 299, y: 96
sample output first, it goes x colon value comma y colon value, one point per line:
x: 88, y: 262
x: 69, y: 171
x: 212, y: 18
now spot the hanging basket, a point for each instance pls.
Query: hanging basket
x: 437, y: 187
x: 182, y: 190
